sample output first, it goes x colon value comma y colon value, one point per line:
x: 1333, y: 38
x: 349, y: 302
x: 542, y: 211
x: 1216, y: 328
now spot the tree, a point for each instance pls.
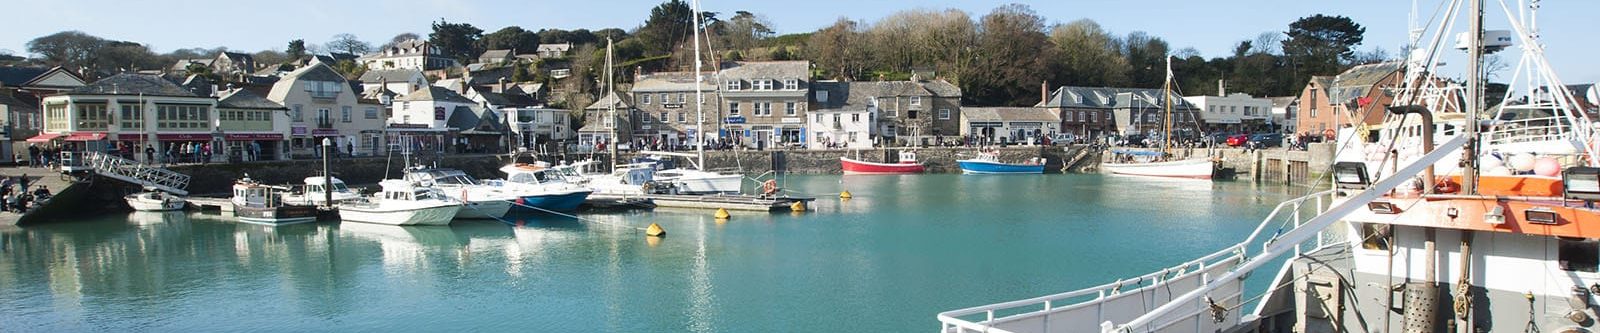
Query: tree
x: 1089, y: 56
x: 348, y: 43
x: 297, y: 49
x: 1014, y: 61
x: 837, y: 50
x: 270, y: 57
x: 744, y: 30
x: 456, y: 40
x: 1319, y: 45
x: 1147, y: 58
x: 512, y: 37
x: 350, y: 69
x: 124, y: 56
x: 668, y: 26
x: 397, y: 39
x: 66, y: 48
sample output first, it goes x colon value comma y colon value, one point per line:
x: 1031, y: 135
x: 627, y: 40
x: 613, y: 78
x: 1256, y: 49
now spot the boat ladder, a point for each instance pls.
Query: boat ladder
x: 134, y: 172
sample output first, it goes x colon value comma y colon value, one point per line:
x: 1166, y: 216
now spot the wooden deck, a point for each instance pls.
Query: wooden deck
x: 729, y: 202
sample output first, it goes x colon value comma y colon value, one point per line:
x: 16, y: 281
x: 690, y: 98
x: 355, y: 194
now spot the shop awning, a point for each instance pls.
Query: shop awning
x: 86, y: 137
x: 44, y: 137
x: 254, y: 136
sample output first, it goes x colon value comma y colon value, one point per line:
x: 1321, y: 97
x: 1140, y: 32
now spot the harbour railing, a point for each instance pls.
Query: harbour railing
x: 132, y: 171
x: 1210, y: 302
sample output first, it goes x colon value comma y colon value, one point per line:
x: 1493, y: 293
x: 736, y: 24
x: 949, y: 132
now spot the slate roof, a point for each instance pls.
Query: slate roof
x: 435, y: 94
x: 495, y: 54
x: 16, y: 76
x: 672, y: 82
x: 1107, y: 98
x: 563, y: 47
x: 316, y: 72
x: 605, y: 103
x: 493, y: 98
x: 375, y: 92
x: 245, y: 99
x: 1357, y: 81
x: 392, y: 75
x: 1283, y: 102
x: 1010, y: 114
x: 133, y: 84
x: 941, y: 88
x: 838, y: 95
x: 239, y: 57
x: 17, y: 104
x: 800, y: 69
x: 467, y: 119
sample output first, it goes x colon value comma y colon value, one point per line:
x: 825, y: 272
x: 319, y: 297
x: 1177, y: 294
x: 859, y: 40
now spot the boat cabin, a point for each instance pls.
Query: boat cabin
x: 317, y: 185
x: 438, y: 177
x: 532, y: 174
x: 395, y: 189
x: 247, y: 192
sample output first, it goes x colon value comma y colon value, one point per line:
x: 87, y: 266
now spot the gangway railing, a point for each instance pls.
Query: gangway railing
x: 127, y: 170
x: 1196, y: 305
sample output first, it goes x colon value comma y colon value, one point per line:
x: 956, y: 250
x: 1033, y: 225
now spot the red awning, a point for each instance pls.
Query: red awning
x: 90, y: 136
x: 43, y: 137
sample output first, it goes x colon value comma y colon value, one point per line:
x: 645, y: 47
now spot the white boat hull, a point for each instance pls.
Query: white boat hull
x: 710, y: 185
x: 488, y: 209
x: 143, y: 203
x: 432, y: 215
x: 1195, y: 168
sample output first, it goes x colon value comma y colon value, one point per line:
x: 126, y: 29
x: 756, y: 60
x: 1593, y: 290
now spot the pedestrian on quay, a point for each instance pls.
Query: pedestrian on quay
x: 33, y: 155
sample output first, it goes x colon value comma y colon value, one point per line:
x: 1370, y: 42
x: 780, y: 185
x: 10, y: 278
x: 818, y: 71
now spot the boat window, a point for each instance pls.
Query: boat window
x: 1375, y: 236
x: 522, y: 178
x: 1579, y: 255
x: 313, y: 188
x: 339, y: 187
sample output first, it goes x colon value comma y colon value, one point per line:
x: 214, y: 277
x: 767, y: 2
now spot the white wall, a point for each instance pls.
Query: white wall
x: 826, y: 129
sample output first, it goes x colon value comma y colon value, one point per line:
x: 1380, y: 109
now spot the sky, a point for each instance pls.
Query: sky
x: 1212, y: 27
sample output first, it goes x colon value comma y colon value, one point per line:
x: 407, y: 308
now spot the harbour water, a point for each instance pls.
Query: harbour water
x: 903, y: 249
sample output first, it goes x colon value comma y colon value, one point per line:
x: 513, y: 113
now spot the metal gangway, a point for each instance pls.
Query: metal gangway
x: 126, y: 170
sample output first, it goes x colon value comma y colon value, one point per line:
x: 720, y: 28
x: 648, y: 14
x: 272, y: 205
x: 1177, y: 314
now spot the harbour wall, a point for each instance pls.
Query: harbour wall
x: 1276, y: 165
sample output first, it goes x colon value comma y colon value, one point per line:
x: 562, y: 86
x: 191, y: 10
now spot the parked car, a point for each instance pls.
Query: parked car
x: 1238, y: 140
x: 1264, y: 140
x: 1060, y: 139
x: 1218, y: 138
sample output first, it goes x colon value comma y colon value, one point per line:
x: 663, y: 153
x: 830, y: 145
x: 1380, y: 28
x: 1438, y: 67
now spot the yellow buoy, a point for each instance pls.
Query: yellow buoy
x: 655, y: 230
x: 798, y: 206
x: 844, y: 195
x: 722, y: 213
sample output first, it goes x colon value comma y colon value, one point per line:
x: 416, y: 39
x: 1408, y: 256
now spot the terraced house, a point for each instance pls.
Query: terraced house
x: 323, y: 105
x: 665, y: 104
x: 129, y: 111
x: 765, y: 102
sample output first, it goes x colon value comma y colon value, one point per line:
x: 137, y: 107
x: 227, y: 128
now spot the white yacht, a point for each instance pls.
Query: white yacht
x: 312, y: 193
x: 401, y: 203
x: 154, y: 201
x: 480, y: 201
x: 694, y: 180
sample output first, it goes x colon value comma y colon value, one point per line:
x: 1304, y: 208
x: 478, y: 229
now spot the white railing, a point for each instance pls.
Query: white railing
x: 134, y: 172
x: 1288, y: 214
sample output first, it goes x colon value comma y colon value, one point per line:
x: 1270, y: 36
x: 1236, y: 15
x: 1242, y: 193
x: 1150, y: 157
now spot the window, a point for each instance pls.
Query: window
x: 822, y: 96
x: 323, y: 89
x: 916, y: 100
x: 681, y: 99
x: 372, y: 112
x: 1233, y: 109
x: 324, y: 116
x: 944, y: 114
x: 789, y: 109
x: 763, y: 84
x: 344, y: 113
x: 1094, y: 117
x: 664, y: 99
x: 1579, y: 255
x: 911, y: 114
x: 295, y: 115
x: 644, y: 99
x: 791, y: 84
x: 1067, y: 115
x: 733, y: 85
x: 132, y: 116
x: 855, y: 117
x: 835, y: 119
x: 663, y: 117
x: 762, y: 109
x: 182, y: 117
x: 733, y: 108
x: 680, y: 117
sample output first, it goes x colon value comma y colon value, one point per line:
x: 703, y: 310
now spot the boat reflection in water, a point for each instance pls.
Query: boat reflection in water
x: 155, y: 217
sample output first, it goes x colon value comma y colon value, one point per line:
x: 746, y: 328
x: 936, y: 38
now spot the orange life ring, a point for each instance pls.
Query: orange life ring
x: 1445, y: 186
x: 769, y: 187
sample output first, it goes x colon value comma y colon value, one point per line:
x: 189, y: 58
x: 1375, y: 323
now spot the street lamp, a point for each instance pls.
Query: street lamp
x: 327, y: 178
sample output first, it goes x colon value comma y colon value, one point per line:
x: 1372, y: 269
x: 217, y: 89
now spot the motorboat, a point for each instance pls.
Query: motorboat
x: 152, y: 200
x: 626, y: 180
x: 254, y: 202
x: 691, y: 180
x: 907, y: 164
x: 313, y: 192
x: 538, y: 187
x: 401, y: 203
x: 988, y: 162
x: 1150, y: 164
x: 479, y: 201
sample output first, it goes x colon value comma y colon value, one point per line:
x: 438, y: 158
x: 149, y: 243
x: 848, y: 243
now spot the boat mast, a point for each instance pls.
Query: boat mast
x: 1166, y: 95
x: 699, y: 97
x: 1469, y: 168
x: 611, y: 105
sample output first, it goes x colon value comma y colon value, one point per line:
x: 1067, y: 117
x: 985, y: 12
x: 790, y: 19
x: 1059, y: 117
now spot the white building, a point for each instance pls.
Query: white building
x: 1235, y: 112
x: 1010, y: 124
x: 1284, y: 110
x: 539, y: 125
x: 414, y: 54
x: 839, y: 118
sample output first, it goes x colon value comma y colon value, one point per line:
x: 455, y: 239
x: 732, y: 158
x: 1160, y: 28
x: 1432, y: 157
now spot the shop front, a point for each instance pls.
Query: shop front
x: 254, y: 146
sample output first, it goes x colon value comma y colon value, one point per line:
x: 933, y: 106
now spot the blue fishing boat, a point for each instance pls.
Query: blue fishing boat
x: 989, y: 163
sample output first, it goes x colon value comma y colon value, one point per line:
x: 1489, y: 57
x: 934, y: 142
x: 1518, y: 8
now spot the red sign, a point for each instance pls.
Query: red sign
x: 183, y: 136
x: 255, y: 137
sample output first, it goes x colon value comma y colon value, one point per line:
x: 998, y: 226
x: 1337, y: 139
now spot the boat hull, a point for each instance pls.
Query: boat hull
x: 857, y: 167
x: 433, y: 215
x: 562, y: 202
x: 145, y: 204
x: 1197, y: 168
x: 282, y: 215
x: 987, y: 167
x: 478, y: 210
x: 728, y: 184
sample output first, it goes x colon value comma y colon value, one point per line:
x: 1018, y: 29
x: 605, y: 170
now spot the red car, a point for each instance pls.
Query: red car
x: 1238, y: 140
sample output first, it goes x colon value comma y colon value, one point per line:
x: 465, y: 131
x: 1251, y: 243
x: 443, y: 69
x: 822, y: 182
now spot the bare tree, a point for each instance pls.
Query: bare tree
x: 348, y: 43
x: 1268, y: 42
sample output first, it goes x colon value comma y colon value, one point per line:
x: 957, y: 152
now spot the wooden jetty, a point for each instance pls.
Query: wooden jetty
x: 730, y: 202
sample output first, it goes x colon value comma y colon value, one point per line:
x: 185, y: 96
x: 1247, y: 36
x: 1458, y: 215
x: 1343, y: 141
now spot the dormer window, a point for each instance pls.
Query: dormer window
x: 763, y: 84
x: 791, y: 84
x: 822, y: 96
x: 733, y: 85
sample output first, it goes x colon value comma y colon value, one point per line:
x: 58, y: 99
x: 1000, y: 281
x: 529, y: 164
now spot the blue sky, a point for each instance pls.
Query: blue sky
x: 1212, y: 27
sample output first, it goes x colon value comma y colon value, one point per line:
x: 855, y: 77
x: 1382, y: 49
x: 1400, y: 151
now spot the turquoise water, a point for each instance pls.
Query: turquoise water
x: 904, y: 249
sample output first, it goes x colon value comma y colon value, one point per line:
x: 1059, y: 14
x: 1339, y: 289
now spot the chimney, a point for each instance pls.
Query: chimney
x: 1222, y: 90
x: 1044, y: 92
x: 502, y: 85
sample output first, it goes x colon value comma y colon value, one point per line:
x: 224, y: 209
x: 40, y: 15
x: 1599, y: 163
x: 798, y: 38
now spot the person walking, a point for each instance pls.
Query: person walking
x: 149, y: 154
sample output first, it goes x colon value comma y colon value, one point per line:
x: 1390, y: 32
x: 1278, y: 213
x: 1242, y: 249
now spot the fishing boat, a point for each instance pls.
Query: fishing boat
x: 907, y: 164
x: 151, y: 200
x: 1399, y: 243
x: 254, y: 202
x: 988, y: 162
x: 1150, y: 164
x: 479, y: 201
x: 401, y: 203
x: 537, y: 187
x: 313, y: 192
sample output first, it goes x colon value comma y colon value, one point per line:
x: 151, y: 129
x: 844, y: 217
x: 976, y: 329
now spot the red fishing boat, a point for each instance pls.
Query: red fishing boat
x: 907, y: 164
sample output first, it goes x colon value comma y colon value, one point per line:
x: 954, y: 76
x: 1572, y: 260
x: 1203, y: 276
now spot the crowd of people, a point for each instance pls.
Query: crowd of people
x: 15, y: 196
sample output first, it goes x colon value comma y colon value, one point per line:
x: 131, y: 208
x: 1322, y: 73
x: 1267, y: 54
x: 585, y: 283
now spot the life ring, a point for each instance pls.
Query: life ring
x: 769, y: 187
x: 1445, y: 186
